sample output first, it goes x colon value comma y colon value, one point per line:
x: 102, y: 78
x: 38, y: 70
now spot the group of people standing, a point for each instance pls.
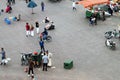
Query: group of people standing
x: 113, y: 8
x: 93, y: 19
x: 46, y: 59
x: 46, y: 62
x: 30, y: 29
x: 10, y: 2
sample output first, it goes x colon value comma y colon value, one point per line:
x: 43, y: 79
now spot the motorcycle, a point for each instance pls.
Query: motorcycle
x: 110, y: 44
x: 112, y: 34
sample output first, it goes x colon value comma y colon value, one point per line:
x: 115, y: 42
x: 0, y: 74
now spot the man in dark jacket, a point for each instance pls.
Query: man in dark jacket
x: 31, y: 66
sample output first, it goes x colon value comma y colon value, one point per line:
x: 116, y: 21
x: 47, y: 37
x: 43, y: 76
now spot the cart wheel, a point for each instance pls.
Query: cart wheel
x: 49, y: 38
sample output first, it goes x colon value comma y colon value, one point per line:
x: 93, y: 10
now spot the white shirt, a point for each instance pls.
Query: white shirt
x: 73, y: 4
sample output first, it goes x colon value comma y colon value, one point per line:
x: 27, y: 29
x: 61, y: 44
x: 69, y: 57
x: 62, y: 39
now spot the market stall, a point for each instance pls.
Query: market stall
x: 89, y: 5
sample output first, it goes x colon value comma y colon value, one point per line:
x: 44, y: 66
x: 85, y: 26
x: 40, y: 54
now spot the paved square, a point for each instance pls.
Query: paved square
x: 73, y: 39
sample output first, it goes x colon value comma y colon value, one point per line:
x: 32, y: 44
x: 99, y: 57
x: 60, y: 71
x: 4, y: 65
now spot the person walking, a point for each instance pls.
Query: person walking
x: 27, y: 30
x: 31, y: 66
x: 41, y: 43
x: 42, y: 6
x: 3, y: 55
x: 32, y: 30
x: 45, y: 62
x: 74, y: 5
x: 37, y: 26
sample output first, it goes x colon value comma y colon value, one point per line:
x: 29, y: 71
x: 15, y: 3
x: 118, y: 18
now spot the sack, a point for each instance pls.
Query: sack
x: 50, y: 63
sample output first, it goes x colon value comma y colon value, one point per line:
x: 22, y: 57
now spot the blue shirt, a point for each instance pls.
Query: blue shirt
x: 45, y: 59
x: 3, y: 54
x: 41, y: 43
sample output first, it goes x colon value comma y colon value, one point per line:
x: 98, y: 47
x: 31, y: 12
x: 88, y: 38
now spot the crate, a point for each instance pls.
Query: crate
x: 68, y: 64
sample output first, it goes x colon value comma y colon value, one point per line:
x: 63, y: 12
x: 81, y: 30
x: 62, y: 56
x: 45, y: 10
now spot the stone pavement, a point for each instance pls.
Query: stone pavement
x: 73, y: 39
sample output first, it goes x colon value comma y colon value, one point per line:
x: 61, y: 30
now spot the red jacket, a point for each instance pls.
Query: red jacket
x: 7, y: 9
x: 27, y: 27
